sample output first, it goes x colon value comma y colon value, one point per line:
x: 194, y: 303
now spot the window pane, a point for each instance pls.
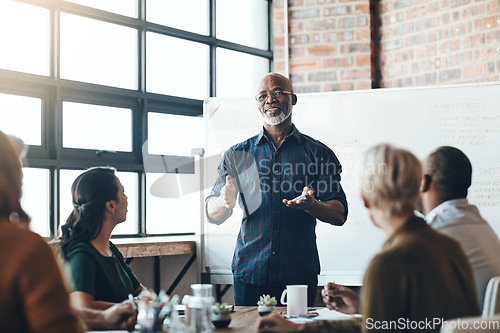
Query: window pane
x: 249, y: 29
x: 129, y: 181
x: 190, y: 15
x: 25, y: 38
x: 170, y: 215
x: 238, y: 74
x: 181, y: 73
x: 97, y: 127
x: 35, y: 199
x: 122, y: 7
x: 98, y: 52
x: 174, y: 135
x: 14, y: 110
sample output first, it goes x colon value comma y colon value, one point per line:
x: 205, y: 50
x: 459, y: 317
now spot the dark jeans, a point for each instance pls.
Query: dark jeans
x: 248, y: 294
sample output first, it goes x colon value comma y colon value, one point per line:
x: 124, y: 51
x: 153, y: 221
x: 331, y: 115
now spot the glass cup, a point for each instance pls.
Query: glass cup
x: 202, y: 290
x: 200, y: 310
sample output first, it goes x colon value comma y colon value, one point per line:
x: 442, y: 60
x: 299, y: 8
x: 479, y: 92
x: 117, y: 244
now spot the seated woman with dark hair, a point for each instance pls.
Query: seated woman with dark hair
x: 99, y: 273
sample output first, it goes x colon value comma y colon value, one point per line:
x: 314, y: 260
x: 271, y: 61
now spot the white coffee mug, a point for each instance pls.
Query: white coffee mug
x: 296, y: 304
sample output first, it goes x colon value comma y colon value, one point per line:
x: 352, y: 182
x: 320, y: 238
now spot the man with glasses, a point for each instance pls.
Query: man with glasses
x: 285, y: 181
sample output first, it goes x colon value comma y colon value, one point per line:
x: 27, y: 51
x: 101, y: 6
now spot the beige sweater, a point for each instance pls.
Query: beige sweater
x: 33, y: 297
x: 420, y: 276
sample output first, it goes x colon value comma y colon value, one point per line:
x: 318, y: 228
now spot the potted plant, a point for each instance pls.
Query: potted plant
x: 220, y: 315
x: 267, y: 305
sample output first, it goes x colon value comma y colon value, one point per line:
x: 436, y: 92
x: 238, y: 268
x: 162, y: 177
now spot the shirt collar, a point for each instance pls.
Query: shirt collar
x: 295, y: 133
x: 433, y: 215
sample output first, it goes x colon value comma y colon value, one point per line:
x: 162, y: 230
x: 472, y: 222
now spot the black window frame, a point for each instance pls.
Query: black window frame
x: 53, y: 91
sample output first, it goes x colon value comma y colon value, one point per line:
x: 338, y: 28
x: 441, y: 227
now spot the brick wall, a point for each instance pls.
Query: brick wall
x: 431, y: 42
x: 329, y: 44
x: 440, y: 42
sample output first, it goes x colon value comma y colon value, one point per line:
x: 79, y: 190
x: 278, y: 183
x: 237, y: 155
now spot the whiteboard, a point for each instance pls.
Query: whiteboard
x: 418, y: 119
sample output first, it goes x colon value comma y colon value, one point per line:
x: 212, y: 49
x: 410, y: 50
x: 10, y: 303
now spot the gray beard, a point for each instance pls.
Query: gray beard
x: 276, y: 120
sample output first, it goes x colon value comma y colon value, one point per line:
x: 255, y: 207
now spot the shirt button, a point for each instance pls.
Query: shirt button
x: 274, y: 252
x: 276, y: 172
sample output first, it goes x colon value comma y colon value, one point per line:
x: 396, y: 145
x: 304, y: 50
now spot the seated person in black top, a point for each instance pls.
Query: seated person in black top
x: 99, y: 273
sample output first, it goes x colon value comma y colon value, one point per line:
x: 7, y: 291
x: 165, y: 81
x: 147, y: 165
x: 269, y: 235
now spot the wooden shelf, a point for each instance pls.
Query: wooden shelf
x: 141, y: 247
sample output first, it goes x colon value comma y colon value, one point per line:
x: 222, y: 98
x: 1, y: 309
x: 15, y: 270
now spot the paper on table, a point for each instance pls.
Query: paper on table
x: 301, y: 320
x: 326, y: 314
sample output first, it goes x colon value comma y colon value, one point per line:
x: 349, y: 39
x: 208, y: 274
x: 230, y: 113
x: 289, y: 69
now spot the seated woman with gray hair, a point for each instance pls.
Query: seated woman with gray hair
x: 419, y: 278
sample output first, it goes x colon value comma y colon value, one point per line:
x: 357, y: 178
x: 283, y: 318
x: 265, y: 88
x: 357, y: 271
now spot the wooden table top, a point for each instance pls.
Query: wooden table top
x: 244, y: 319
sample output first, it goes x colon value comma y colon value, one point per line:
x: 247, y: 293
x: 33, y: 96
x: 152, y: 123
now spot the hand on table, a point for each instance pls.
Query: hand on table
x: 340, y: 298
x: 276, y: 323
x: 121, y: 316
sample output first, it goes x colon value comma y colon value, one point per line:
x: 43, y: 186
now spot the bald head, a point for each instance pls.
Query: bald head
x: 450, y: 171
x: 277, y: 80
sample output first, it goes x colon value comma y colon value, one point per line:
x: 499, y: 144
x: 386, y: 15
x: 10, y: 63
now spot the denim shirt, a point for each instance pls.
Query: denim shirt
x: 276, y: 245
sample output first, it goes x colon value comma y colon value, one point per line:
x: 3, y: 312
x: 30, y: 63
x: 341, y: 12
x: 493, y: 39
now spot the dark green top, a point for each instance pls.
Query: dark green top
x: 108, y: 279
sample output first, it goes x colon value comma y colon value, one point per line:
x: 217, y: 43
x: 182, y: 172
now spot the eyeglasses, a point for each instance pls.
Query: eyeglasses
x: 274, y: 94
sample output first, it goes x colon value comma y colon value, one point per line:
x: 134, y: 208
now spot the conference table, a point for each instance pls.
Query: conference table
x: 243, y: 320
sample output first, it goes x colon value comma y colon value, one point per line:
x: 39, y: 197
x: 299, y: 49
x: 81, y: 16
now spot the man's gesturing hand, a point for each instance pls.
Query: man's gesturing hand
x: 228, y: 193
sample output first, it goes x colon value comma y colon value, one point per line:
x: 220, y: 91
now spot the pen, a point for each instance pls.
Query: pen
x: 131, y: 298
x: 299, y: 197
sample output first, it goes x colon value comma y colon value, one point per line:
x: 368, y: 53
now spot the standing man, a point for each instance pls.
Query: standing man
x: 447, y: 177
x: 276, y: 245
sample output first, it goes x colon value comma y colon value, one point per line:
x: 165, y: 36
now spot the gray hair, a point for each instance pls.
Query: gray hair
x: 390, y: 179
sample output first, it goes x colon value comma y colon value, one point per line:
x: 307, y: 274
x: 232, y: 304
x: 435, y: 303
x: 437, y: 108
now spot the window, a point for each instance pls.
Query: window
x: 189, y: 15
x: 183, y: 73
x: 130, y: 183
x: 173, y: 134
x: 35, y: 199
x: 98, y: 52
x: 169, y: 214
x: 29, y: 24
x: 248, y: 29
x: 97, y: 127
x: 122, y: 7
x: 249, y: 69
x: 121, y: 83
x: 14, y: 112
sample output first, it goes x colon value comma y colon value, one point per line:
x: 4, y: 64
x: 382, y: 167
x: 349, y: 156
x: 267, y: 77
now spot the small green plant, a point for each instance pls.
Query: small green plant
x: 220, y: 309
x: 267, y: 300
